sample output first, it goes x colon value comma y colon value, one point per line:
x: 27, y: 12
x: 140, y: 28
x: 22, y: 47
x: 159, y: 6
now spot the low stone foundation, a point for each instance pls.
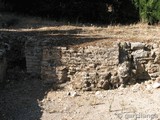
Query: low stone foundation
x: 93, y: 67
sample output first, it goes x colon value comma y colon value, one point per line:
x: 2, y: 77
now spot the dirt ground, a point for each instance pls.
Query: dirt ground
x: 120, y: 104
x: 30, y: 99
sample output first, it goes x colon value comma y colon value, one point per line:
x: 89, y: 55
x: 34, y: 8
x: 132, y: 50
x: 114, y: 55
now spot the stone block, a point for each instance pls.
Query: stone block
x: 140, y: 54
x: 137, y: 45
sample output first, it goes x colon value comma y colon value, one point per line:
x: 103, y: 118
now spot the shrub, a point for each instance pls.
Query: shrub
x: 149, y: 10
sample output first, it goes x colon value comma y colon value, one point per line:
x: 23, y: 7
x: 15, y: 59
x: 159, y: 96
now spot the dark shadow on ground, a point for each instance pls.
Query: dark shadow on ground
x: 56, y: 37
x: 19, y: 100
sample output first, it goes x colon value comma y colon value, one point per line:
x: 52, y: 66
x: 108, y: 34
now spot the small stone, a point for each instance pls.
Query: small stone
x: 156, y: 85
x: 158, y: 79
x: 136, y: 87
x: 100, y: 83
x: 148, y: 82
x: 134, y: 71
x: 87, y: 89
x: 149, y: 87
x: 72, y: 94
x: 114, y: 80
x: 98, y: 94
x: 155, y: 45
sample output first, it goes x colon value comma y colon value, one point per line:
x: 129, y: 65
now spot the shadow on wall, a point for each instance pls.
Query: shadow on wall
x: 19, y: 100
x: 141, y: 74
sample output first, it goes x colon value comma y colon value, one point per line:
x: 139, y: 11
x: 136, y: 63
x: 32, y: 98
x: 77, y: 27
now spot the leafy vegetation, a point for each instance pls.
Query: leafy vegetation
x: 149, y: 10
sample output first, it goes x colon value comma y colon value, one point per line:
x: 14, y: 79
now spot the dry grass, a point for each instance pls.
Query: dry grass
x: 106, y: 34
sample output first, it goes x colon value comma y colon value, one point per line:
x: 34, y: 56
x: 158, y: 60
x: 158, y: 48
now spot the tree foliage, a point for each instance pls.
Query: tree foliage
x: 149, y: 10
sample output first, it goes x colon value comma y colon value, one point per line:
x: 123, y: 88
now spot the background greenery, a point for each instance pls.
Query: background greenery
x: 149, y: 10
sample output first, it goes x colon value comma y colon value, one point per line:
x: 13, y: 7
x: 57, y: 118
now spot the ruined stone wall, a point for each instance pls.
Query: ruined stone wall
x: 93, y: 67
x: 138, y: 61
x: 83, y: 65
